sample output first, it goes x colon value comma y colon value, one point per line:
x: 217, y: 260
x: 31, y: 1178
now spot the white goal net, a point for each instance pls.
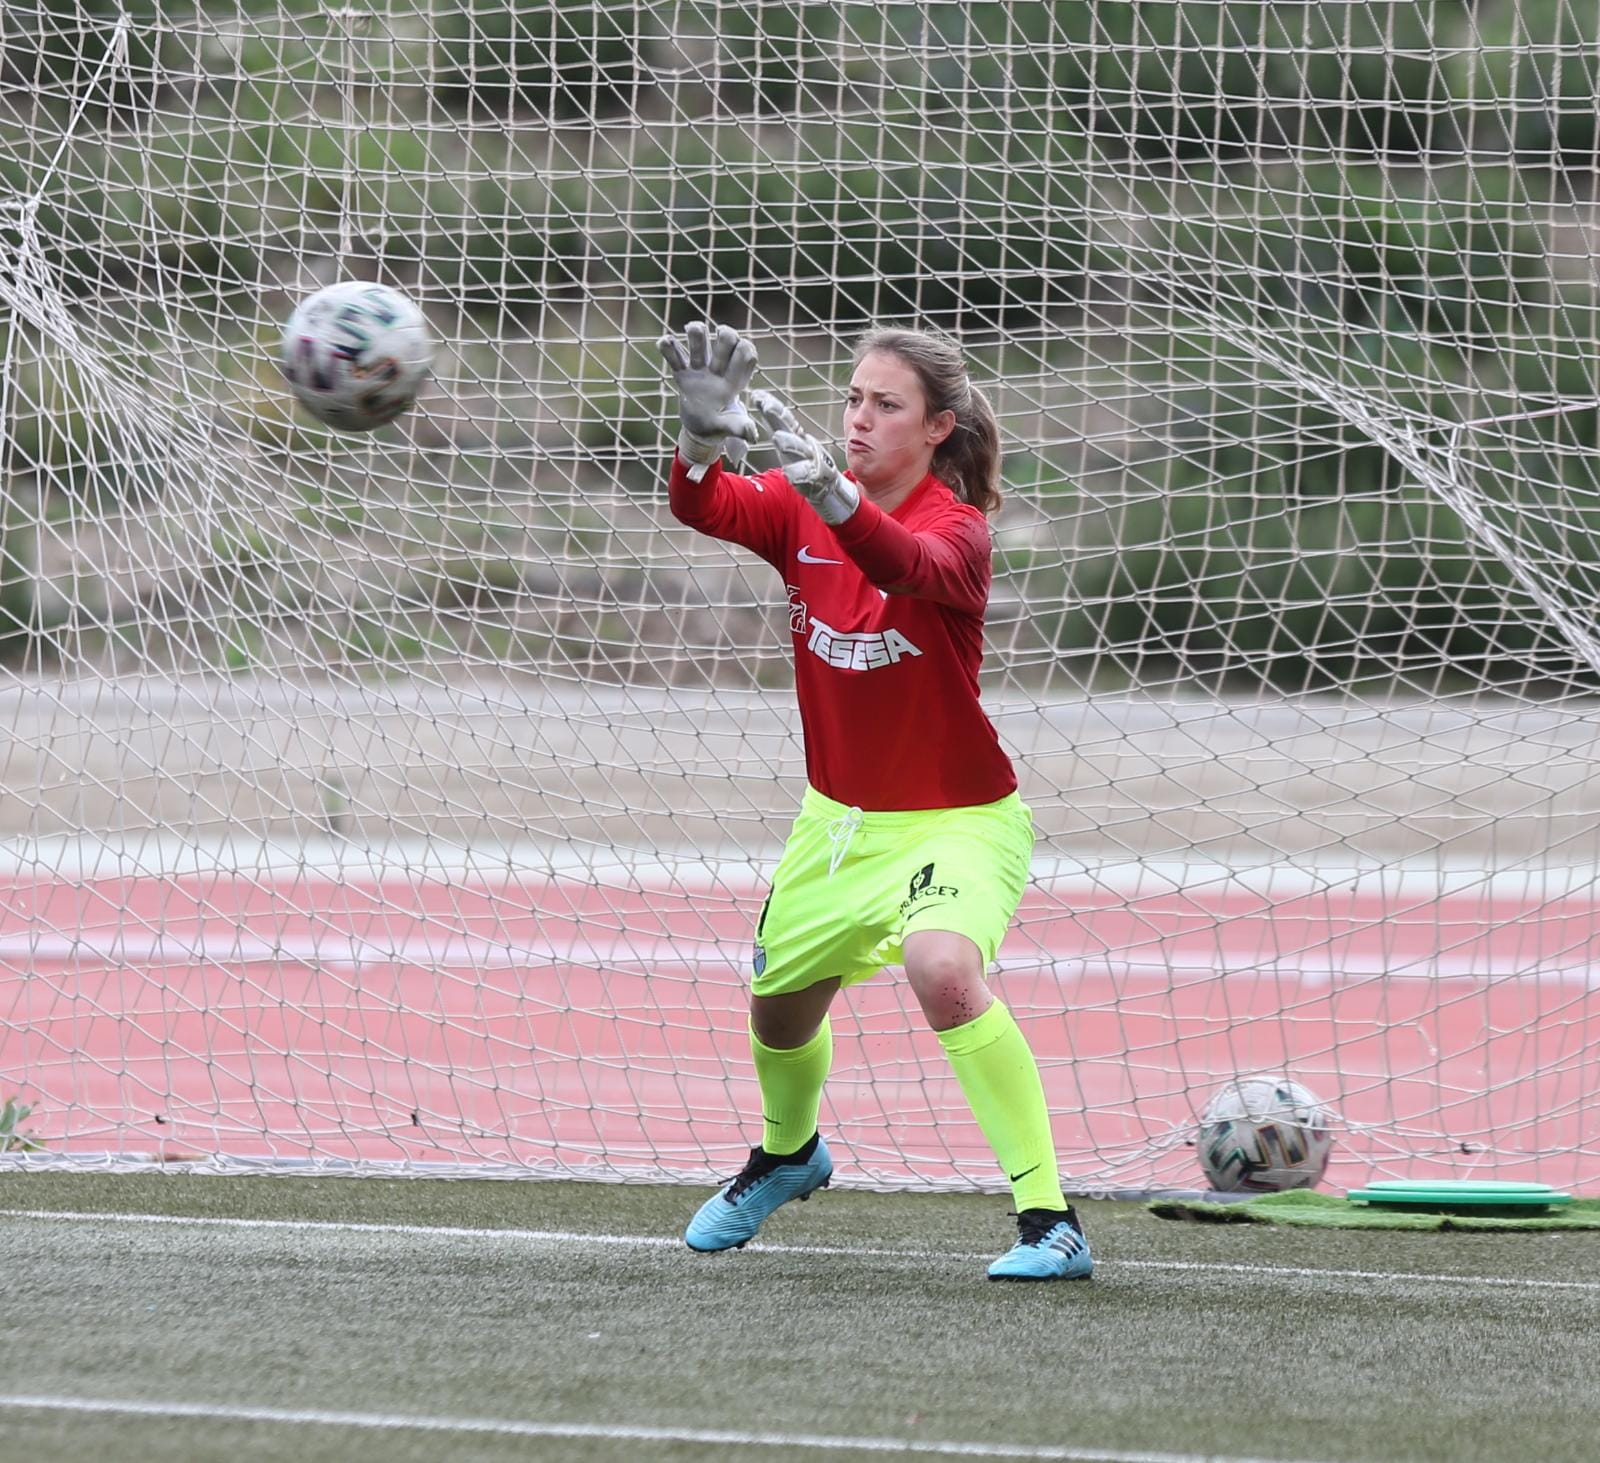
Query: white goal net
x: 407, y: 800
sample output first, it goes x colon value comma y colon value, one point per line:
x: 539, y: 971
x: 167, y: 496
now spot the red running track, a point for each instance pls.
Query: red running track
x: 567, y: 1027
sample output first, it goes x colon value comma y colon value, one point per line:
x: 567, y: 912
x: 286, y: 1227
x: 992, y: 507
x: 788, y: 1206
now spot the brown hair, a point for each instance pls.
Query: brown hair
x: 968, y: 460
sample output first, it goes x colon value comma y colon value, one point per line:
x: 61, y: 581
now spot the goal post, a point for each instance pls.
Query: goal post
x: 404, y: 803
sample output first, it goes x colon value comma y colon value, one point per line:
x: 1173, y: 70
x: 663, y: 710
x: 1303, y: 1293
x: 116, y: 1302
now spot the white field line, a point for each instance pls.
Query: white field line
x: 666, y: 1242
x: 707, y: 1437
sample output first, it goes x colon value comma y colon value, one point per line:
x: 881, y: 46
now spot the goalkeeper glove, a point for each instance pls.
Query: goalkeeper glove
x: 709, y: 377
x: 807, y: 463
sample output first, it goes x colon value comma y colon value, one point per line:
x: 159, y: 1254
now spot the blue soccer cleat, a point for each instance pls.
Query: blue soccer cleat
x: 730, y: 1218
x: 1050, y: 1246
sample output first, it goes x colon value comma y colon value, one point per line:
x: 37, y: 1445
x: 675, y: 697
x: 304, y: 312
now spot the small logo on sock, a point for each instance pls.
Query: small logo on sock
x: 1017, y: 1178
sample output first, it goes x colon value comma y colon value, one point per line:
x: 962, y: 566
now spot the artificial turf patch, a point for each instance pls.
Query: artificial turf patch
x: 400, y: 1299
x: 1327, y: 1211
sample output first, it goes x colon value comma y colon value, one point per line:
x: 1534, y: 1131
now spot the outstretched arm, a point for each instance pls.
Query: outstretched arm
x: 755, y: 512
x: 948, y: 563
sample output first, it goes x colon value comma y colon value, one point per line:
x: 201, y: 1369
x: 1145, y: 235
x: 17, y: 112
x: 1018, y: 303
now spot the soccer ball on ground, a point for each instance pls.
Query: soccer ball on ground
x: 1264, y: 1134
x: 355, y: 354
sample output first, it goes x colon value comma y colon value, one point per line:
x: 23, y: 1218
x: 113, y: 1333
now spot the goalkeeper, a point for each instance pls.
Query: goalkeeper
x: 911, y: 845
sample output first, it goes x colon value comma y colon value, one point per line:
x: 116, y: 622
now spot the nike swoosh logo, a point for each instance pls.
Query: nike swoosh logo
x: 1018, y: 1177
x: 805, y: 556
x: 924, y: 909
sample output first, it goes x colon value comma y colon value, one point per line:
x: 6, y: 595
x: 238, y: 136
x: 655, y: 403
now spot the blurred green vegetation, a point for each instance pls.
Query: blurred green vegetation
x: 1223, y: 588
x: 559, y: 60
x: 1539, y: 60
x: 796, y: 56
x: 1392, y: 194
x: 72, y: 51
x: 1199, y: 79
x: 13, y: 1114
x: 852, y: 222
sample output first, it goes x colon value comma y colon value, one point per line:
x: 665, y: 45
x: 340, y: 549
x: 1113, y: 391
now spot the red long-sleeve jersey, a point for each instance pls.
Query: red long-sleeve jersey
x: 886, y: 611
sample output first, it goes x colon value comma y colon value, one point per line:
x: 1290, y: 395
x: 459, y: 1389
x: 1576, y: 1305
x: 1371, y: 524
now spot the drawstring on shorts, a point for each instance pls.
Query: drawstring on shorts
x: 840, y: 832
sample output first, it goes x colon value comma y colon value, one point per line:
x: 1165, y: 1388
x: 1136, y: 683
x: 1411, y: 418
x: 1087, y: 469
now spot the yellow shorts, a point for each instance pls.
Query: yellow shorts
x: 851, y: 885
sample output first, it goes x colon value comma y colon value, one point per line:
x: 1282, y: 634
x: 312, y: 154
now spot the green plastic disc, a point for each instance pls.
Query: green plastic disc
x: 1459, y: 1196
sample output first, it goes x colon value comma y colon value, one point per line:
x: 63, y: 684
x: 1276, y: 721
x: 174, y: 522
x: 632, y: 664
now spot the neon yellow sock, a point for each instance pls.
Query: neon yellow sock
x: 997, y: 1072
x: 791, y: 1088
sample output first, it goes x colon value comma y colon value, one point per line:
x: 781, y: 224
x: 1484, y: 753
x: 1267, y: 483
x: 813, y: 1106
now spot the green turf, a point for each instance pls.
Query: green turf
x: 1167, y: 1349
x: 1329, y: 1211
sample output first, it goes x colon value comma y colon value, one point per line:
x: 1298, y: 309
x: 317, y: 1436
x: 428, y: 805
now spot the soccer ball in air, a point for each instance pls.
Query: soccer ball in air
x: 356, y: 354
x: 1263, y: 1134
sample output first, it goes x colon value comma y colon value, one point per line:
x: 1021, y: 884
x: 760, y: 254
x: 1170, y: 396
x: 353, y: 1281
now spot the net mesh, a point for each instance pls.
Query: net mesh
x: 407, y: 800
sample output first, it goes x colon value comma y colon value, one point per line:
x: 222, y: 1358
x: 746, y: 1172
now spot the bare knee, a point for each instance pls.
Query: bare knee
x: 946, y: 975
